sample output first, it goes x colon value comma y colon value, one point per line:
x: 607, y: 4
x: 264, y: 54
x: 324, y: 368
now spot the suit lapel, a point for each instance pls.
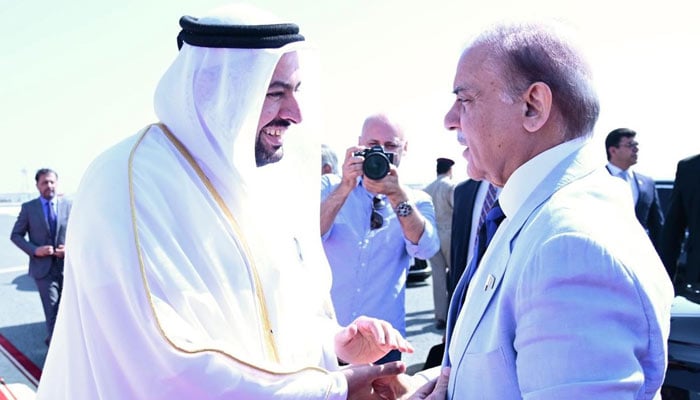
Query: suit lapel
x: 59, y: 211
x: 643, y: 189
x: 645, y: 197
x: 468, y: 196
x: 495, y: 261
x: 39, y: 212
x: 461, y: 231
x: 471, y: 200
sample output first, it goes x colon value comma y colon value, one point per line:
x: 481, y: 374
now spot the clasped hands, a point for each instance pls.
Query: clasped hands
x: 368, y: 339
x: 48, y: 250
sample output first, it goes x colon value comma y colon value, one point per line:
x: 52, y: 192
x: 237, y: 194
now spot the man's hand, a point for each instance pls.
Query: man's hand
x: 367, y: 340
x: 389, y: 186
x: 352, y: 167
x: 396, y: 386
x: 434, y: 390
x: 60, y: 251
x: 44, y: 251
x: 330, y: 207
x: 405, y: 387
x: 361, y: 378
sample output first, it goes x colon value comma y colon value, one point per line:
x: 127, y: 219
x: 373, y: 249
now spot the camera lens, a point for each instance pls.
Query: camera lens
x: 376, y: 166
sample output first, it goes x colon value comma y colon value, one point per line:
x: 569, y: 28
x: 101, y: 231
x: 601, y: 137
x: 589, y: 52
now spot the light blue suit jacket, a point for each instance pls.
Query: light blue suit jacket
x: 571, y: 301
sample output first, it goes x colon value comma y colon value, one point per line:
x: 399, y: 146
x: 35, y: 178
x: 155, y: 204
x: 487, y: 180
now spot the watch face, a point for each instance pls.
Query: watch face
x: 404, y: 209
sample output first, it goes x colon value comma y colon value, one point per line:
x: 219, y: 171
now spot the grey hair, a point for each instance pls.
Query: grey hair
x: 328, y: 157
x: 526, y: 53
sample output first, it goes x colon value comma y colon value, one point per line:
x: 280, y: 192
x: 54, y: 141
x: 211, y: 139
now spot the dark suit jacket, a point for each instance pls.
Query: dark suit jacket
x: 463, y: 206
x: 32, y: 222
x: 464, y: 196
x: 648, y: 209
x: 683, y: 213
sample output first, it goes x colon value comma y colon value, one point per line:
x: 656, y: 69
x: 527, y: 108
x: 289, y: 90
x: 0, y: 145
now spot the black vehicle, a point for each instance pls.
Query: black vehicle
x: 683, y: 373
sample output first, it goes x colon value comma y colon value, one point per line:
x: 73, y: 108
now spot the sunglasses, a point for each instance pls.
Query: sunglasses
x: 376, y: 220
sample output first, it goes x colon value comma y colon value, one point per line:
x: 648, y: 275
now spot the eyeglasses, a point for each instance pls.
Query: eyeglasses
x: 629, y: 145
x: 376, y: 220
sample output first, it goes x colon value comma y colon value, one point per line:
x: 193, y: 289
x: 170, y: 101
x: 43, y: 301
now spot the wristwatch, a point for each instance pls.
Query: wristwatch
x: 404, y: 209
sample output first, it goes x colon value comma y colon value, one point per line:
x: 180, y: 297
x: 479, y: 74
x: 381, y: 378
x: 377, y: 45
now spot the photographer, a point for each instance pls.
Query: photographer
x: 372, y: 227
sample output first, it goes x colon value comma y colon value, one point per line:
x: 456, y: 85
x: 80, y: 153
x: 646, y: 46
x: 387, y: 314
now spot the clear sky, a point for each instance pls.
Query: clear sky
x: 79, y: 75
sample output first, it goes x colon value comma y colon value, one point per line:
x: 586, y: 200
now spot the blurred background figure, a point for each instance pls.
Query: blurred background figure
x: 622, y: 152
x: 441, y: 190
x: 329, y: 160
x: 683, y: 215
x: 40, y: 231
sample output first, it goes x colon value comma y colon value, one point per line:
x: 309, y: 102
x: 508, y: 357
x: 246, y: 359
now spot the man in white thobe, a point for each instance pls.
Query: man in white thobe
x: 209, y: 279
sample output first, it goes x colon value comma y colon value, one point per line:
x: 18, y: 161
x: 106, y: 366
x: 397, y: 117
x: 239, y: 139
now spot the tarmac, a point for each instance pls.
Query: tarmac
x: 22, y: 327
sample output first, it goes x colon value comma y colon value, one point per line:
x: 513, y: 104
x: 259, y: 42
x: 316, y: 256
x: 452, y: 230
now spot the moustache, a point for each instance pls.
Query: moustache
x: 278, y: 123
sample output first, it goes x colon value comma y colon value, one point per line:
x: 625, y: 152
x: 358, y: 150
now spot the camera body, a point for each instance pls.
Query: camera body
x: 377, y: 163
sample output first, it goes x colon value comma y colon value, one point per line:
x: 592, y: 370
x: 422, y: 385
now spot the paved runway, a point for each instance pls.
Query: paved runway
x: 22, y: 328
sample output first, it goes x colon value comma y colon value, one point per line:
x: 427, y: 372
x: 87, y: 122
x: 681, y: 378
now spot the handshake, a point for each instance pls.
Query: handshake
x: 368, y: 339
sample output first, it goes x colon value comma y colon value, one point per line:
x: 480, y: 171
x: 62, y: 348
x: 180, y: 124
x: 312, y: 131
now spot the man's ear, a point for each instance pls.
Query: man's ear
x: 538, y: 106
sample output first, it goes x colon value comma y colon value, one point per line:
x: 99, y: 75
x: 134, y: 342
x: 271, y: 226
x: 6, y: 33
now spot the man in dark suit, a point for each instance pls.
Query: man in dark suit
x: 44, y: 221
x: 683, y: 213
x: 622, y: 152
x: 464, y: 198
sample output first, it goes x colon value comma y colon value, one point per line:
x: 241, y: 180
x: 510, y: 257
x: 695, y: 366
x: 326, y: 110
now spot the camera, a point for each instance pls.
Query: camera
x: 377, y: 163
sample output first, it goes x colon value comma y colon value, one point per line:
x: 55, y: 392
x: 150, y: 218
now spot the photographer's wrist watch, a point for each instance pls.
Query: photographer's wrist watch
x: 403, y: 209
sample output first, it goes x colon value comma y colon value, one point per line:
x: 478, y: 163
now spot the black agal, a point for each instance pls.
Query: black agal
x: 270, y: 36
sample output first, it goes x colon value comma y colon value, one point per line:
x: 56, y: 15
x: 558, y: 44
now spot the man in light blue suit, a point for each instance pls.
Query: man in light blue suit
x: 570, y: 300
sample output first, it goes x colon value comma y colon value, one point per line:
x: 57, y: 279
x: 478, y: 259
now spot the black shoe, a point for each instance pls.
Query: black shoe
x: 440, y: 324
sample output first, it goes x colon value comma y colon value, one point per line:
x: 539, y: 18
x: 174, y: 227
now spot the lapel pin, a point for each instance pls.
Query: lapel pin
x: 490, y: 281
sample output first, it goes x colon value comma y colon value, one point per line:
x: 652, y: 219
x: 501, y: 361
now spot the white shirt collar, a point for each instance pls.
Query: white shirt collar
x: 522, y: 182
x: 615, y: 170
x: 45, y: 201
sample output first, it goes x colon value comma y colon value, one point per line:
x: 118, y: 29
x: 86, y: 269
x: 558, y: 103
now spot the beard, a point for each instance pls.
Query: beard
x: 265, y: 155
x: 264, y: 152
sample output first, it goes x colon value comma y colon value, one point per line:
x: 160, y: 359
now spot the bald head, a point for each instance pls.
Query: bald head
x: 380, y: 130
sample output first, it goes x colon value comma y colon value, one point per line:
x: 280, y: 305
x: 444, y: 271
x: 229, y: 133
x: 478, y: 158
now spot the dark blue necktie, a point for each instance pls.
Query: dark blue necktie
x: 51, y: 217
x: 494, y: 218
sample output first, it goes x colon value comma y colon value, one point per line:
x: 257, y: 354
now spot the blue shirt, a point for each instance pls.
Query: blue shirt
x: 369, y: 266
